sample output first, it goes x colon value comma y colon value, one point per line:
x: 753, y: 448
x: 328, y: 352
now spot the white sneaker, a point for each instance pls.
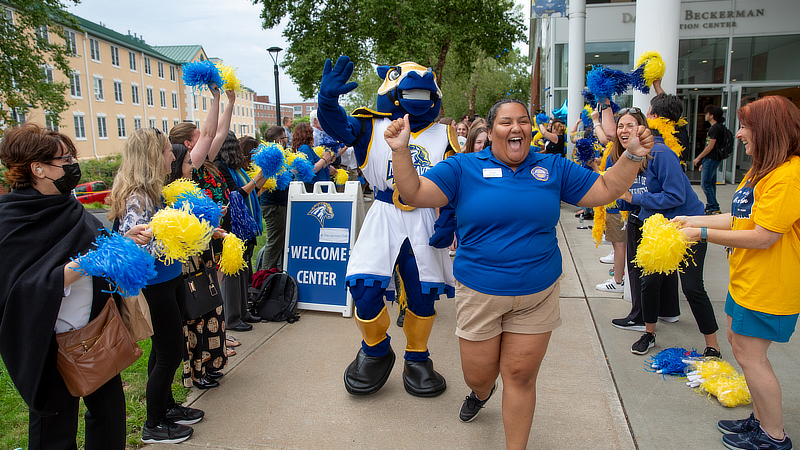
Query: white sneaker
x: 611, y: 285
x: 672, y: 319
x: 608, y: 259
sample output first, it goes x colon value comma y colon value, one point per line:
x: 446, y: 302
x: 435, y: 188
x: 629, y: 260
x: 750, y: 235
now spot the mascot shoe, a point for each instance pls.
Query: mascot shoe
x: 421, y: 380
x: 367, y: 374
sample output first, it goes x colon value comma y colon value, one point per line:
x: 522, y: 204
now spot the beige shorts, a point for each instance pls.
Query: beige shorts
x: 480, y: 317
x: 614, y: 230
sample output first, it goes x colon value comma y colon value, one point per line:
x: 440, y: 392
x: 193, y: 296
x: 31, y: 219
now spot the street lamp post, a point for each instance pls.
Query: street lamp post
x: 273, y: 52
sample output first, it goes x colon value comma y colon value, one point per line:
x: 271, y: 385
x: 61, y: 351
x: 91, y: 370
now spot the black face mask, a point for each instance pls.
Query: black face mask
x: 71, y: 178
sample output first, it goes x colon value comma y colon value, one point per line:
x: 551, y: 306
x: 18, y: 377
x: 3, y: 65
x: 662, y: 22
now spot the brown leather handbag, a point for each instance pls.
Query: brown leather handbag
x: 89, y: 357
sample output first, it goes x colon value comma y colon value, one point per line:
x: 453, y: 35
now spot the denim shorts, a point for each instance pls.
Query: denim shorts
x: 772, y: 327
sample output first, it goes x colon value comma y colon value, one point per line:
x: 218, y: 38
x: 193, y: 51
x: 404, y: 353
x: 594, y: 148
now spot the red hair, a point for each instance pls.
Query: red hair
x: 774, y: 124
x: 29, y: 143
x: 303, y: 135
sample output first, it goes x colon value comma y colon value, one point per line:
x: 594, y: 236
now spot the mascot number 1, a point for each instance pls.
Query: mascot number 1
x: 426, y: 272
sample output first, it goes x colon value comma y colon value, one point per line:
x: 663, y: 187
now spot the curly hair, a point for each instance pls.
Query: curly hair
x: 303, y: 135
x: 27, y: 144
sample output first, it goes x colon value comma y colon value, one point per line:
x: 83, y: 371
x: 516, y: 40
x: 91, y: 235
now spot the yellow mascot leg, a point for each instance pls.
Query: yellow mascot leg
x: 374, y: 331
x: 417, y: 330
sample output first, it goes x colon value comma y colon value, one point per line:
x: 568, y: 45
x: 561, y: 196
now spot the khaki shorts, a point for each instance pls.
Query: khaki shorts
x: 614, y: 230
x: 480, y: 317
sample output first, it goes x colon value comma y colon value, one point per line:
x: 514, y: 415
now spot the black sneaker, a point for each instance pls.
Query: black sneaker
x: 739, y: 426
x: 626, y: 324
x: 711, y: 352
x: 167, y: 432
x: 644, y: 344
x: 184, y: 415
x: 472, y: 406
x: 754, y: 440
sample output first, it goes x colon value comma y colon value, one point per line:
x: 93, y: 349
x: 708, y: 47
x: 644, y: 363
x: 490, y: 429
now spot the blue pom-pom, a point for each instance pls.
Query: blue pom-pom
x: 604, y: 83
x: 584, y: 151
x: 199, y: 74
x: 304, y: 169
x: 242, y: 223
x: 542, y: 118
x: 201, y: 207
x: 283, y: 179
x: 637, y: 80
x: 589, y: 97
x: 120, y: 261
x: 586, y: 119
x: 670, y: 360
x: 269, y: 158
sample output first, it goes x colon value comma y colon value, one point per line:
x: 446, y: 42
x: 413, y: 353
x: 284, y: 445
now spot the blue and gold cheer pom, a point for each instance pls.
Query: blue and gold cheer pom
x: 542, y: 118
x: 200, y: 74
x: 269, y: 158
x: 663, y: 247
x: 180, y: 188
x: 672, y: 361
x: 304, y: 169
x: 201, y: 207
x: 242, y: 222
x: 586, y: 117
x: 229, y: 78
x: 649, y: 67
x: 584, y: 151
x: 283, y: 179
x: 179, y: 234
x: 120, y: 261
x: 231, y: 261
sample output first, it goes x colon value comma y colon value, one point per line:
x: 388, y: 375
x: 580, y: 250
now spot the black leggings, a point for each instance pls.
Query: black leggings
x: 167, y: 303
x: 693, y: 289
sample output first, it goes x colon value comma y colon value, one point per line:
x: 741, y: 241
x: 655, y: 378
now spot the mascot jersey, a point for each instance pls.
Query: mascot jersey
x: 386, y: 226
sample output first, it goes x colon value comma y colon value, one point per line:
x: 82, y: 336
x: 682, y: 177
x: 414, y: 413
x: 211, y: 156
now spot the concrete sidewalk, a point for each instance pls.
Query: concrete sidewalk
x: 284, y: 389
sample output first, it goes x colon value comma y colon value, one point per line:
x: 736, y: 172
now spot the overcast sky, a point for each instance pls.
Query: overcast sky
x: 230, y: 30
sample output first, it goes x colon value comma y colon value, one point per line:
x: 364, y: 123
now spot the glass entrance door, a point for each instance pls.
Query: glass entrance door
x: 695, y: 101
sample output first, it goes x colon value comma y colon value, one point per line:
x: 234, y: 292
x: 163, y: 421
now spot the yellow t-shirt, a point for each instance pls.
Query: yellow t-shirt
x: 768, y: 280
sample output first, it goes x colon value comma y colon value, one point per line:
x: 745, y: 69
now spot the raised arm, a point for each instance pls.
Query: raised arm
x: 332, y: 118
x: 415, y: 190
x: 224, y: 126
x: 201, y: 148
x: 552, y: 137
x: 599, y: 131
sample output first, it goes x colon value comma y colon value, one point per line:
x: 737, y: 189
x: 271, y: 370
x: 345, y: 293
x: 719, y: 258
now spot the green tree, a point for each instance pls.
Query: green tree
x: 26, y: 55
x: 375, y: 32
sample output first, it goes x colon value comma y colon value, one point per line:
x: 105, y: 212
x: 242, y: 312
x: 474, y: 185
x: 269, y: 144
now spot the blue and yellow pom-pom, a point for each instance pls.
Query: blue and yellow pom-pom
x: 201, y: 207
x: 303, y: 169
x: 231, y: 261
x: 283, y: 179
x: 542, y: 118
x: 663, y: 247
x: 672, y: 361
x: 586, y: 117
x: 270, y: 184
x: 228, y: 74
x: 319, y: 150
x: 180, y: 188
x: 649, y: 67
x: 120, y: 261
x: 341, y: 177
x: 179, y: 234
x: 584, y: 151
x: 269, y: 157
x: 200, y: 74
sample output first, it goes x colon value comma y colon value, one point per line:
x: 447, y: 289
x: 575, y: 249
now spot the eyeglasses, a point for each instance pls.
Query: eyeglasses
x: 632, y: 109
x: 68, y: 158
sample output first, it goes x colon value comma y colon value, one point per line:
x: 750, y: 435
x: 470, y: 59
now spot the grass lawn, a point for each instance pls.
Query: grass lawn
x: 14, y: 412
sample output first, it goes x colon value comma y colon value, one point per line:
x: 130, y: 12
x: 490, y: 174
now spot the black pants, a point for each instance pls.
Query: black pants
x: 692, y: 286
x: 668, y: 292
x: 167, y: 303
x: 105, y: 418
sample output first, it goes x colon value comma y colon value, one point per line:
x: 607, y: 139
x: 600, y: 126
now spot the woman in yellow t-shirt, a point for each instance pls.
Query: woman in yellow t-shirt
x: 763, y: 234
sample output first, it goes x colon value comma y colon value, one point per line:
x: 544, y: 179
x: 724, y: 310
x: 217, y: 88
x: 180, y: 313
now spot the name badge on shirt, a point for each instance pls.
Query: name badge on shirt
x: 493, y: 173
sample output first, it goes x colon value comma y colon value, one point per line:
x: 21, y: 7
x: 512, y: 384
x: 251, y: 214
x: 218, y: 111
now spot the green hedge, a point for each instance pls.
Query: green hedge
x: 103, y: 169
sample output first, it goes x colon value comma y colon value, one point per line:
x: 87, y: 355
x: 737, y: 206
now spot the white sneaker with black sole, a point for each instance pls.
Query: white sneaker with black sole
x: 611, y: 285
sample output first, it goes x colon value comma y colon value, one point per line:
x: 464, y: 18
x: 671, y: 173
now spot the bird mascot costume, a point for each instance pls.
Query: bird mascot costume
x: 393, y: 234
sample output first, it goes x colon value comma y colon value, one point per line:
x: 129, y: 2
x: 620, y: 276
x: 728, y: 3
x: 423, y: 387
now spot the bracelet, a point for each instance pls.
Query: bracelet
x: 597, y: 125
x: 703, y: 235
x: 633, y: 157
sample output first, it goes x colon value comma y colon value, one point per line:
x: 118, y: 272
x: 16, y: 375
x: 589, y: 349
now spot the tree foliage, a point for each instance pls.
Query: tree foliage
x: 375, y: 32
x: 24, y: 54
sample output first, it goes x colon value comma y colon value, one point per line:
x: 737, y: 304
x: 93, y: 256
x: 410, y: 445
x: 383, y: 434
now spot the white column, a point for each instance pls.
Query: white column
x: 577, y: 61
x: 657, y: 26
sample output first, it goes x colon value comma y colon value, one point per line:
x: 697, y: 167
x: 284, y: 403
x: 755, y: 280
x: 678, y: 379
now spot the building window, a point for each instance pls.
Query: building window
x: 160, y: 70
x: 147, y: 65
x: 80, y: 127
x: 134, y: 94
x: 163, y: 95
x: 197, y: 123
x: 102, y: 131
x: 175, y: 122
x: 71, y: 42
x: 152, y: 122
x: 118, y: 91
x: 47, y: 73
x: 205, y: 108
x: 174, y: 100
x: 298, y: 110
x: 49, y: 121
x: 149, y: 96
x: 763, y: 58
x: 165, y: 126
x: 702, y: 61
x: 194, y: 98
x: 172, y: 73
x: 94, y: 47
x: 137, y: 123
x: 98, y: 89
x: 121, y: 128
x: 42, y: 34
x: 115, y: 56
x: 132, y: 60
x: 75, y: 85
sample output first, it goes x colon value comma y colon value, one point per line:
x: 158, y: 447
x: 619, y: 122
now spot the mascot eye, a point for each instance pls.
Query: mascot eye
x: 393, y: 75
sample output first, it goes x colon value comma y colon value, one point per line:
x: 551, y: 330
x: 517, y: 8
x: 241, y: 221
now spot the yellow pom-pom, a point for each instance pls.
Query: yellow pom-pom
x: 179, y: 234
x: 231, y: 261
x: 599, y: 226
x: 654, y: 66
x: 270, y: 184
x: 663, y: 246
x: 179, y: 187
x: 289, y: 157
x: 228, y: 75
x: 668, y: 129
x: 319, y: 150
x: 341, y: 177
x: 252, y: 171
x: 537, y: 138
x: 730, y: 391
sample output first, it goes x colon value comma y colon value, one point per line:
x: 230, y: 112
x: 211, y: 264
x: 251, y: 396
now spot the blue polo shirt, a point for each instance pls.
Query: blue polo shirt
x: 323, y: 174
x: 507, y: 219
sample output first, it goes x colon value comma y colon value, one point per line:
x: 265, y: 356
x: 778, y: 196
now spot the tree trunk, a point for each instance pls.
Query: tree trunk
x: 442, y: 59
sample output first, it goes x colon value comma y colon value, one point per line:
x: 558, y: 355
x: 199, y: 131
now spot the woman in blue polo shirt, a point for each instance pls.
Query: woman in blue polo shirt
x: 507, y: 203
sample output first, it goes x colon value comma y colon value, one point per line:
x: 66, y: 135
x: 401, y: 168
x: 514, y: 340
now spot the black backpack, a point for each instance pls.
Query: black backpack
x: 276, y: 299
x: 726, y: 150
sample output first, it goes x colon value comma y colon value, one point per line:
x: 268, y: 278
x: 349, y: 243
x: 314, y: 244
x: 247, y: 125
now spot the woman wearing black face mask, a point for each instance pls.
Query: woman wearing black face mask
x: 43, y: 226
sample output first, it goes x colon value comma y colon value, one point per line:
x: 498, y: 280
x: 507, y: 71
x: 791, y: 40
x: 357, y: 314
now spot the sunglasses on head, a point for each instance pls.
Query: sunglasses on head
x: 632, y: 109
x: 158, y: 132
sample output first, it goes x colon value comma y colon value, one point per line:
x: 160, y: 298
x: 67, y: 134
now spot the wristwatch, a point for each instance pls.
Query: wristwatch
x: 633, y: 157
x: 703, y: 235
